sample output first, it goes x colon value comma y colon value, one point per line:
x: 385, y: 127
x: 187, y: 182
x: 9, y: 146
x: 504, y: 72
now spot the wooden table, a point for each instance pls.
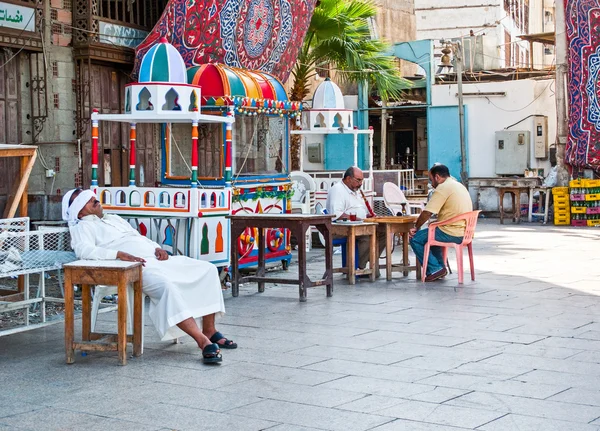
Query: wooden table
x: 88, y: 273
x: 515, y: 192
x: 298, y: 225
x: 351, y: 231
x: 397, y: 225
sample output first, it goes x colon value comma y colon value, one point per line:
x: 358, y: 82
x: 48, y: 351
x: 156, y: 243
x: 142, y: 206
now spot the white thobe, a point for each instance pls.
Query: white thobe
x: 179, y: 287
x: 340, y: 200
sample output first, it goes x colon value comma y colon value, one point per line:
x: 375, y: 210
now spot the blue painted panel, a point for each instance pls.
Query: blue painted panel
x: 339, y: 152
x: 443, y: 137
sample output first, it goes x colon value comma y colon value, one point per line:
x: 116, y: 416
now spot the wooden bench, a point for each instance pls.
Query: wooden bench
x: 88, y: 273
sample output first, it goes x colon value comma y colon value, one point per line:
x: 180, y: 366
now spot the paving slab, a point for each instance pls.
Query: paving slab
x: 517, y: 349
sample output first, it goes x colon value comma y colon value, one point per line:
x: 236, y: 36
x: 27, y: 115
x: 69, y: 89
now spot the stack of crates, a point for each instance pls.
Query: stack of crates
x: 562, y: 214
x: 585, y: 202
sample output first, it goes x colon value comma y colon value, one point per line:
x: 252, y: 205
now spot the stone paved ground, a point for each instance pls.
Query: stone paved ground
x: 519, y: 349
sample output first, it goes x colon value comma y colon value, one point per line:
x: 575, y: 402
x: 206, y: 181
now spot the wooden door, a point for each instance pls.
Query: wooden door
x: 10, y: 116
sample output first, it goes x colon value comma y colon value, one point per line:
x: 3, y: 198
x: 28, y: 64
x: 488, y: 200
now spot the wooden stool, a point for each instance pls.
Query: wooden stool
x: 118, y: 273
x: 546, y: 191
x: 515, y: 192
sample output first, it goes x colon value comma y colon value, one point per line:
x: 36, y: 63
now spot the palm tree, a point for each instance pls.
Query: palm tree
x: 339, y: 35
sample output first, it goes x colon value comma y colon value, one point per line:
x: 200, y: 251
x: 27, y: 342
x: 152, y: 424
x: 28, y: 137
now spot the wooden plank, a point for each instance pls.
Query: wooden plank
x: 25, y: 172
x: 17, y: 152
x: 14, y: 297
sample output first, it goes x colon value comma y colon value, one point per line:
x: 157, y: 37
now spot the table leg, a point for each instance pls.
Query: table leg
x: 529, y: 215
x: 138, y: 309
x: 260, y: 271
x: 235, y: 276
x: 122, y: 321
x: 328, y: 276
x: 300, y: 233
x: 501, y: 206
x: 388, y: 251
x: 405, y: 252
x: 419, y: 269
x: 69, y: 317
x: 547, y: 205
x: 351, y: 257
x: 514, y: 207
x: 86, y: 312
x: 373, y: 256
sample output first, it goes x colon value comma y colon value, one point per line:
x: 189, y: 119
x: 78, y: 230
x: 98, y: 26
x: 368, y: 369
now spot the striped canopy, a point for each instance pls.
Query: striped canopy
x: 218, y: 80
x: 163, y: 63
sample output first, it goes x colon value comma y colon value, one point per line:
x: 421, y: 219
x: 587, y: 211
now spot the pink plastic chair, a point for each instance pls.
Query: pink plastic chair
x: 470, y: 219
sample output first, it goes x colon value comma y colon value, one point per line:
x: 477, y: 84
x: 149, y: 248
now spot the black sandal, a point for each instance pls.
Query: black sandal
x: 211, y: 354
x: 227, y: 344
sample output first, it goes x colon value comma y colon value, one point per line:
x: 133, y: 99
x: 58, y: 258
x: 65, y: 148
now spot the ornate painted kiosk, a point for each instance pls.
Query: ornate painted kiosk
x: 224, y: 138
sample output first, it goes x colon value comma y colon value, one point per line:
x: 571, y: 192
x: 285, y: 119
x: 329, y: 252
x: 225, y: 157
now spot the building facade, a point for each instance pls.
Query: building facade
x: 491, y: 29
x: 58, y: 58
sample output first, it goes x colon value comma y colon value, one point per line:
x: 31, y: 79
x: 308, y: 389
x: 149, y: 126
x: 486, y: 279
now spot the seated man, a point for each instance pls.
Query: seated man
x: 449, y: 199
x: 345, y: 198
x: 181, y: 289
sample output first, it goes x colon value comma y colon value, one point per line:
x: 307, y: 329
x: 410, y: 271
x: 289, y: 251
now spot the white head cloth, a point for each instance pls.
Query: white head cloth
x: 70, y: 212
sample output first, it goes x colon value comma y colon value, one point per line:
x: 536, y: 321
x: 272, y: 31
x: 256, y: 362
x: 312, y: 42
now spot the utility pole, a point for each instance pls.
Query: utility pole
x: 561, y: 105
x: 458, y: 57
x: 383, y: 151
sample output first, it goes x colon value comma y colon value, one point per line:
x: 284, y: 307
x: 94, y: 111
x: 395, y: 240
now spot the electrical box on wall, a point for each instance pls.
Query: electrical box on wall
x: 512, y: 152
x: 313, y: 151
x: 540, y: 140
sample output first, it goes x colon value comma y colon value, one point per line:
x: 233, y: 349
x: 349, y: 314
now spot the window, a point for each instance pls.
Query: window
x: 258, y: 145
x: 56, y: 101
x: 179, y: 151
x: 55, y: 69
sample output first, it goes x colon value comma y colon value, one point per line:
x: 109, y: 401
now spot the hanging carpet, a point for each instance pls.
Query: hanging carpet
x: 263, y: 35
x: 583, y: 38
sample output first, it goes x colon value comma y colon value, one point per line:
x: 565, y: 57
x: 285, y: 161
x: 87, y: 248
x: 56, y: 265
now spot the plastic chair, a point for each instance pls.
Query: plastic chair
x: 304, y: 188
x: 470, y: 219
x: 394, y: 199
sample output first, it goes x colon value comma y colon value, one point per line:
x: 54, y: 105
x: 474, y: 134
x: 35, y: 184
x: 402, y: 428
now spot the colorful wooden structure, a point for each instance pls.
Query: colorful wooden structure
x: 224, y: 144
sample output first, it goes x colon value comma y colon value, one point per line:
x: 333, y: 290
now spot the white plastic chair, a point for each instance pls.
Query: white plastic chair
x: 304, y: 192
x: 304, y: 199
x: 394, y: 200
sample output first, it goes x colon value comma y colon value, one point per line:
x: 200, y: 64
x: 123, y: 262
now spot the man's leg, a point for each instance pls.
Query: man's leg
x: 209, y: 329
x: 364, y: 248
x: 443, y: 237
x: 418, y: 245
x: 190, y: 327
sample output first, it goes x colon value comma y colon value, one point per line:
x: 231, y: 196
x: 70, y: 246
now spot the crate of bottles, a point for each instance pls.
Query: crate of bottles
x: 591, y: 183
x: 560, y: 191
x: 594, y: 222
x: 562, y: 220
x: 576, y: 184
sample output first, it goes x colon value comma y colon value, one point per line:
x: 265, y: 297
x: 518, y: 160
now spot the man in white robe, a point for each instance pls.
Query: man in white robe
x: 181, y: 289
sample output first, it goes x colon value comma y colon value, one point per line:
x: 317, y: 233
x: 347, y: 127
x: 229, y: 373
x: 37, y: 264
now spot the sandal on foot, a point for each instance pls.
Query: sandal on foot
x: 227, y: 344
x: 211, y: 354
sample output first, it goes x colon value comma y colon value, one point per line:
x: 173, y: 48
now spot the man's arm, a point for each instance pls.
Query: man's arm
x: 83, y: 241
x: 423, y: 218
